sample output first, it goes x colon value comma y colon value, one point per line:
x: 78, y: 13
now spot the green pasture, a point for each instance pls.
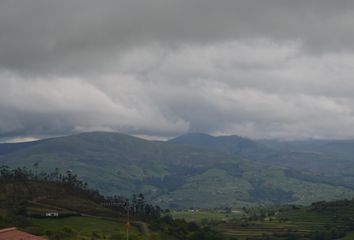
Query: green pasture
x: 203, y: 215
x: 83, y: 228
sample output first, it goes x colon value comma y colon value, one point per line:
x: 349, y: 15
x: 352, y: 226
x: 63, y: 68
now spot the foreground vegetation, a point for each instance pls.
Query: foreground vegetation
x: 320, y: 221
x: 77, y: 227
x: 82, y: 213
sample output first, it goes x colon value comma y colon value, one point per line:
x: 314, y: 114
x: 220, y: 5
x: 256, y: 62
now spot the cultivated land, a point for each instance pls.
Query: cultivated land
x: 322, y: 220
x: 205, y: 216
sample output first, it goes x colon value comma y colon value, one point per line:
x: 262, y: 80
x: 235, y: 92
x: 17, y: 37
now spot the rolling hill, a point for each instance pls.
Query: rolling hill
x: 233, y: 145
x: 333, y: 157
x: 65, y: 209
x: 324, y: 156
x: 173, y: 175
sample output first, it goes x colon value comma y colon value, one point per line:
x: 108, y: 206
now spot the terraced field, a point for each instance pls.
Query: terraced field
x: 203, y: 215
x: 325, y: 219
x: 263, y: 228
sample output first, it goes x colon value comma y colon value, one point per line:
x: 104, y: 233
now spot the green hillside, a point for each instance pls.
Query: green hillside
x: 325, y: 156
x: 25, y: 202
x: 171, y: 175
x: 79, y: 213
x: 333, y: 157
x: 234, y: 145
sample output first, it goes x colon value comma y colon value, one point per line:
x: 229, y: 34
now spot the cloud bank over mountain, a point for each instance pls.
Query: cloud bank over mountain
x: 262, y: 69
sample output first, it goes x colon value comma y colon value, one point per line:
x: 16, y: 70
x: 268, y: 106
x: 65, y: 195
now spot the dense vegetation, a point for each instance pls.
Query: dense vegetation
x: 70, y: 184
x: 175, y: 175
x: 171, y: 175
x: 26, y: 197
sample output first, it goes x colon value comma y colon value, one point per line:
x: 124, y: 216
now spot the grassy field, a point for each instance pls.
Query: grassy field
x: 202, y: 215
x: 349, y: 236
x: 299, y: 223
x: 296, y: 222
x: 261, y: 228
x: 73, y: 228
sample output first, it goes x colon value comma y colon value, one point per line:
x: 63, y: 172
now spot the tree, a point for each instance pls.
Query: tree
x: 35, y: 165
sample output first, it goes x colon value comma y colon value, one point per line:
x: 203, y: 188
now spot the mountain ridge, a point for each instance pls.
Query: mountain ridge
x: 172, y: 175
x: 320, y: 156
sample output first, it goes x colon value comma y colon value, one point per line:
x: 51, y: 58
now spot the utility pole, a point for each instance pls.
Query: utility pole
x: 127, y: 226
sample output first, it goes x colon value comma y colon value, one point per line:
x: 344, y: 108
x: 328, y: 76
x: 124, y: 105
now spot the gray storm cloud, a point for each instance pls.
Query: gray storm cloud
x: 262, y: 69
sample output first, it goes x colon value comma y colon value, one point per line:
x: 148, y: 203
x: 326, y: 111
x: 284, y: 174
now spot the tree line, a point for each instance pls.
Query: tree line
x: 136, y: 207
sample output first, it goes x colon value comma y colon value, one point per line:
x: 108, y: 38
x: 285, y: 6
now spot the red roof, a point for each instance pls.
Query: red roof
x: 14, y: 234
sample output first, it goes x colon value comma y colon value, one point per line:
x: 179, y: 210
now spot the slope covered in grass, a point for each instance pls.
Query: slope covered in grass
x: 172, y: 175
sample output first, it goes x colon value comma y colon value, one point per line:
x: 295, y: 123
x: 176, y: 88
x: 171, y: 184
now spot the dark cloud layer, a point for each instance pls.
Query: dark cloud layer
x: 74, y: 36
x: 273, y: 68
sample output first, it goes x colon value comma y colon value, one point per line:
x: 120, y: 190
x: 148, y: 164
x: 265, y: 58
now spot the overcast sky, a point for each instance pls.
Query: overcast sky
x: 159, y: 68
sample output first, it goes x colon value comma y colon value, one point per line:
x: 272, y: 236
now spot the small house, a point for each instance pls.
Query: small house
x: 52, y: 214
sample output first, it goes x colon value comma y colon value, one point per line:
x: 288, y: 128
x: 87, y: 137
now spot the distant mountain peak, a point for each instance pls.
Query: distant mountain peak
x: 196, y: 134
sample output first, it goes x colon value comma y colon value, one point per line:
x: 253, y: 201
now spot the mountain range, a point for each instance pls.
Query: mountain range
x: 193, y: 170
x: 319, y: 156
